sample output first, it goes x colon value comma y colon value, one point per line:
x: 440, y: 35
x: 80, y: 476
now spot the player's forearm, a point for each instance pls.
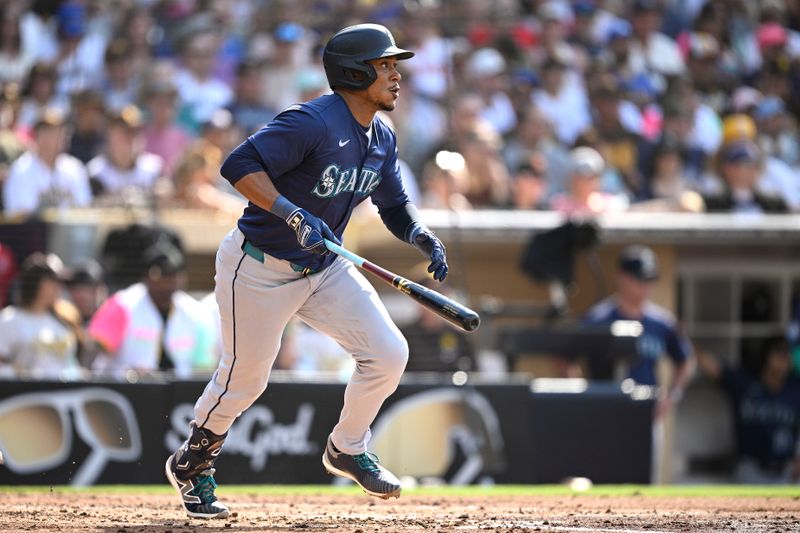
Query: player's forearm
x: 259, y: 189
x: 682, y: 375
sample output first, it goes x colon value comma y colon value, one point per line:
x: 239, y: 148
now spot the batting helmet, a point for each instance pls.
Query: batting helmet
x: 348, y: 51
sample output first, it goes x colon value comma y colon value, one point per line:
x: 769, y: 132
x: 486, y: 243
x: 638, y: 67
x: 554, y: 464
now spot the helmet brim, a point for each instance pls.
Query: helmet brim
x: 394, y: 51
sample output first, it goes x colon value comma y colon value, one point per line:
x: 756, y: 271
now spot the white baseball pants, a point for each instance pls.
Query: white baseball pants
x: 256, y: 300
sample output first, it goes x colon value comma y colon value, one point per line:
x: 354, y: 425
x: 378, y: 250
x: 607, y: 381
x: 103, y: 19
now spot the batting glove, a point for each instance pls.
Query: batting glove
x: 432, y: 248
x: 309, y: 229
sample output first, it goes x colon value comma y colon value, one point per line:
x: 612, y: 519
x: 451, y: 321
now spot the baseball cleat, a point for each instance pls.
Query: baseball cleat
x: 364, y: 469
x: 197, y: 492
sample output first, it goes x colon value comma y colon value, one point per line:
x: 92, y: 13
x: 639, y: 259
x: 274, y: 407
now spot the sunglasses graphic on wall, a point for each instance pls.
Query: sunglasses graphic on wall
x: 36, y: 431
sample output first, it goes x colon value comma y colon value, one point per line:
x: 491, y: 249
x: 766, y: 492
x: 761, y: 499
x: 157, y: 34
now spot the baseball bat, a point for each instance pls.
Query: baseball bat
x: 459, y: 315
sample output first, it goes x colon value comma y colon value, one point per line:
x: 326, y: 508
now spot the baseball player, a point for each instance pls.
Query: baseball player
x: 303, y: 174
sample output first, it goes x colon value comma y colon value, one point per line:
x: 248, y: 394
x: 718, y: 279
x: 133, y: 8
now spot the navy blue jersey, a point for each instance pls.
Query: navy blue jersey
x: 766, y: 422
x: 660, y: 335
x: 321, y: 159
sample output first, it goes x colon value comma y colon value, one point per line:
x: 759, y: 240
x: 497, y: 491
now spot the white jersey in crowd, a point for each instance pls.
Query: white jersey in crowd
x: 130, y: 327
x: 36, y: 345
x: 146, y: 170
x: 32, y: 184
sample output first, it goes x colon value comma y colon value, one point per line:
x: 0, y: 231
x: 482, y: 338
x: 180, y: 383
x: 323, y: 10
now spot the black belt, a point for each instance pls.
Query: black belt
x: 253, y: 251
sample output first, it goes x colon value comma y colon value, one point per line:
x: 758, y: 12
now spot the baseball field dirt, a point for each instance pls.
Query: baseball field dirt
x: 129, y: 510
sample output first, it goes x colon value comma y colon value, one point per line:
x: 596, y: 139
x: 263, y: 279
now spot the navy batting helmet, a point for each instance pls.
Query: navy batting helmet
x: 349, y: 50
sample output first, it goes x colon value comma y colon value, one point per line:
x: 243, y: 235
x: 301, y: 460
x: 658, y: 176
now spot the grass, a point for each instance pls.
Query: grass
x: 693, y: 491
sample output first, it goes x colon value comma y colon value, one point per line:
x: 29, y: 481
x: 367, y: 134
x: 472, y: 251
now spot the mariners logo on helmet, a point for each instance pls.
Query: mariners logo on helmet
x: 348, y: 51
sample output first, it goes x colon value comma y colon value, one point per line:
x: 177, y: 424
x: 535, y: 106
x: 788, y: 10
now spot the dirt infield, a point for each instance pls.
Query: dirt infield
x: 131, y: 512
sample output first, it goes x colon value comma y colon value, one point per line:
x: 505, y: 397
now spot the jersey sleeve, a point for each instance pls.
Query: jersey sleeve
x: 734, y: 381
x: 678, y: 346
x: 286, y: 141
x: 390, y: 193
x: 109, y: 324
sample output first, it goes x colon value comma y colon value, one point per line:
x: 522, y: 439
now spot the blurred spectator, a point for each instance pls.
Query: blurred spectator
x: 433, y: 344
x: 636, y: 273
x: 88, y: 125
x: 677, y: 124
x: 195, y: 178
x: 86, y: 288
x: 428, y: 73
x: 249, y: 112
x: 35, y: 340
x: 479, y: 143
x: 445, y: 182
x: 120, y: 86
x: 618, y: 144
x: 739, y: 167
x: 11, y: 140
x: 138, y: 27
x: 529, y: 184
x: 124, y: 173
x: 46, y: 176
x: 153, y: 325
x: 562, y: 98
x: 17, y: 56
x: 201, y: 94
x: 40, y: 94
x: 650, y: 50
x: 667, y: 186
x: 777, y: 136
x: 486, y: 76
x: 766, y: 410
x: 703, y: 57
x: 39, y: 27
x: 79, y: 62
x: 162, y: 135
x: 585, y: 196
x: 534, y: 134
x: 289, y: 56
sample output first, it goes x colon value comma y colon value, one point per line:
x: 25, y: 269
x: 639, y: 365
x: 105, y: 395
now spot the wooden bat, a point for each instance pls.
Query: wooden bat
x: 459, y: 315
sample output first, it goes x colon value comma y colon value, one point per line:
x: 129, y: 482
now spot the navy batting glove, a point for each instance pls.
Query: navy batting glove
x: 431, y: 247
x: 310, y: 230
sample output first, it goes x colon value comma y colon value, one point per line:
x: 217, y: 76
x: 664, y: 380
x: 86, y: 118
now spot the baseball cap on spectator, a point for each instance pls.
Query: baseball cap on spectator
x: 771, y: 35
x: 744, y: 151
x: 554, y: 11
x: 744, y: 98
x: 71, y: 19
x: 639, y: 262
x: 288, y: 32
x: 485, y: 63
x: 618, y: 29
x: 769, y: 107
x: 584, y: 8
x: 129, y: 117
x: 221, y: 119
x: 49, y: 117
x: 586, y: 161
x: 640, y: 84
x: 88, y: 273
x: 737, y: 127
x: 163, y: 257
